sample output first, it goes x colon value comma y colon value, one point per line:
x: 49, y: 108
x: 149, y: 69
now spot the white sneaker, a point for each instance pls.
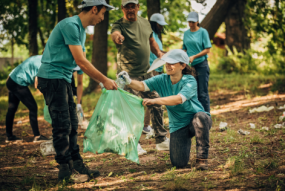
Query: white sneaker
x: 147, y: 129
x: 164, y: 146
x: 140, y: 150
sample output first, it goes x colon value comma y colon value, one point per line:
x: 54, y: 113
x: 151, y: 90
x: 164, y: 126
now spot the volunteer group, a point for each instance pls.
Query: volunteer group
x: 183, y: 88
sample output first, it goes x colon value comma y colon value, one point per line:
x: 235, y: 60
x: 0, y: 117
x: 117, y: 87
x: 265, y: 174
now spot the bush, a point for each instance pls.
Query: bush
x: 237, y: 62
x: 7, y: 69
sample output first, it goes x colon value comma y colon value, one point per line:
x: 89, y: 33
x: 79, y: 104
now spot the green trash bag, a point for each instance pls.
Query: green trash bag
x: 46, y: 114
x: 116, y: 125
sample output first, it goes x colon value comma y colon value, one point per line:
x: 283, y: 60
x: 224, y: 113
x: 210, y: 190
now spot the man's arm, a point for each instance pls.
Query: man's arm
x: 89, y: 69
x: 79, y: 88
x: 155, y: 48
x: 117, y: 37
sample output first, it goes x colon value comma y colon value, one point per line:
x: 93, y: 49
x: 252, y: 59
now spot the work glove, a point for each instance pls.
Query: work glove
x: 79, y: 108
x: 125, y: 76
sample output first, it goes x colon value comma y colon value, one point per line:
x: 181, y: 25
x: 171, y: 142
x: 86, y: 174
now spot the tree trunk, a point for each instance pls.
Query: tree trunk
x: 236, y: 33
x: 217, y: 16
x: 42, y: 37
x: 12, y: 50
x: 100, y: 50
x: 153, y: 6
x: 61, y: 10
x: 33, y: 27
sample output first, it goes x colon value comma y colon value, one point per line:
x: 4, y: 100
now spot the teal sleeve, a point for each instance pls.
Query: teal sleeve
x: 206, y: 40
x: 80, y: 72
x: 153, y: 83
x: 84, y: 49
x: 189, y: 88
x: 71, y: 34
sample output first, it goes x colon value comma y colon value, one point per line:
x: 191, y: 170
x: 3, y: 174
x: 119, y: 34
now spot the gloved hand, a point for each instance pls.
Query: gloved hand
x: 125, y: 76
x: 79, y: 108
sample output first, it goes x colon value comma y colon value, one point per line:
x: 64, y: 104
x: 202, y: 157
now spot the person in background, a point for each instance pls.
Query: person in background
x: 17, y: 83
x: 197, y: 44
x: 187, y: 118
x: 157, y: 24
x: 64, y: 50
x: 134, y: 40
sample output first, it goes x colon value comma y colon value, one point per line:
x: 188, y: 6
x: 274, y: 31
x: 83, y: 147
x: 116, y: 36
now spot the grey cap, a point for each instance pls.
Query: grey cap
x: 171, y: 57
x: 125, y: 2
x: 89, y: 3
x: 193, y: 16
x: 159, y: 18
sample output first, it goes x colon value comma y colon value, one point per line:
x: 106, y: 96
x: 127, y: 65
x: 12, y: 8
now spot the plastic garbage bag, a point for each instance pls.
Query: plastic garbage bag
x: 46, y: 114
x: 261, y: 109
x: 47, y: 148
x: 116, y: 125
x: 223, y: 126
x: 252, y: 125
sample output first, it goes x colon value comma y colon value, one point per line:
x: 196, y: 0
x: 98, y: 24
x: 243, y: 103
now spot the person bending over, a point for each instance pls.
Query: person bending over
x: 187, y: 118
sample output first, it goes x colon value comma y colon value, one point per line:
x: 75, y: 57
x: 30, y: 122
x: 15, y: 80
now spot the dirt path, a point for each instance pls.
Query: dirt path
x: 236, y: 162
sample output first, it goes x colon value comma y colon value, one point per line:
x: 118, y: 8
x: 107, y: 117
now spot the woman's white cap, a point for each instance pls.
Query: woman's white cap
x: 89, y: 3
x: 159, y: 18
x: 172, y: 57
x: 193, y: 16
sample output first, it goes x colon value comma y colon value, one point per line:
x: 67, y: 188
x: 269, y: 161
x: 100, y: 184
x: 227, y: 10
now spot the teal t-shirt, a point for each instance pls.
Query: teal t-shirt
x: 57, y: 61
x: 152, y: 56
x: 182, y: 114
x: 25, y: 73
x: 196, y: 42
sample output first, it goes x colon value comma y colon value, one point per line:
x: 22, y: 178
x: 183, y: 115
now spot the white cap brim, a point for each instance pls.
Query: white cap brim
x: 192, y: 19
x: 109, y: 7
x: 156, y: 64
x: 162, y: 23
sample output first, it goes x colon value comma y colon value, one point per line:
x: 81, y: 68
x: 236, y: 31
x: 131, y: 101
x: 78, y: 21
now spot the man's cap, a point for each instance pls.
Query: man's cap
x: 172, y: 57
x: 159, y: 18
x: 193, y: 16
x: 125, y: 2
x: 89, y: 3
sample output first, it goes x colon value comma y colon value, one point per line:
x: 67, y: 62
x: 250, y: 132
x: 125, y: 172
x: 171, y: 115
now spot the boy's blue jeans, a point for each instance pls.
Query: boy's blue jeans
x: 180, y: 140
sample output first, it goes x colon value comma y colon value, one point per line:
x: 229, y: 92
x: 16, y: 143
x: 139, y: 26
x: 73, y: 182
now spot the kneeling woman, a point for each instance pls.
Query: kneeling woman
x: 178, y: 91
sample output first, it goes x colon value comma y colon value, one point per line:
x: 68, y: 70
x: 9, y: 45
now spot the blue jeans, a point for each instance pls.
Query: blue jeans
x: 180, y: 140
x: 203, y: 73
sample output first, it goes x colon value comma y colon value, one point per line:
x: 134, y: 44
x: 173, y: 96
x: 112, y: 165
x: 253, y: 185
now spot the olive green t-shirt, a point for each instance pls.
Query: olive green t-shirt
x: 133, y: 54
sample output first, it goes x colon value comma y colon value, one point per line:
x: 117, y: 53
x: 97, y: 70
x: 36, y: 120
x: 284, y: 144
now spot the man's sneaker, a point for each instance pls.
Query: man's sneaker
x: 13, y: 138
x: 201, y: 164
x: 146, y: 130
x: 66, y: 172
x: 40, y: 138
x: 164, y: 146
x: 82, y: 168
x: 140, y: 150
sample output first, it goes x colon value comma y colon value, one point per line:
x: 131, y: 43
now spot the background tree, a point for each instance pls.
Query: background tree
x: 33, y: 26
x: 61, y: 10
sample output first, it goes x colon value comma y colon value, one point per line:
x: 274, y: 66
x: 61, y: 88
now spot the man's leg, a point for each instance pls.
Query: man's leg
x: 180, y: 145
x: 201, y: 125
x: 203, y: 73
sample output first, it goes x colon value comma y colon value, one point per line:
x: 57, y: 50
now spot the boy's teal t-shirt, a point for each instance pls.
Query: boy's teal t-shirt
x: 182, y: 114
x: 25, y: 73
x: 196, y: 42
x: 152, y: 56
x: 57, y: 60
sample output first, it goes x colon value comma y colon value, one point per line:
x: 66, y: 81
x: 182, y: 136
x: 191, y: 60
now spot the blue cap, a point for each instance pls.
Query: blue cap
x: 193, y: 16
x: 89, y: 3
x: 159, y: 18
x: 172, y: 57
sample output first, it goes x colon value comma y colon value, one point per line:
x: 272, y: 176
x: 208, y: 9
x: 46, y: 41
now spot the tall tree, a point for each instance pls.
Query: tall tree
x: 153, y: 6
x: 100, y: 49
x: 61, y: 10
x: 236, y: 32
x: 33, y: 26
x: 217, y: 15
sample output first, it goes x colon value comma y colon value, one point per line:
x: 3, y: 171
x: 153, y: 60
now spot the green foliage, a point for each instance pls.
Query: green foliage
x: 237, y: 62
x: 7, y: 70
x: 267, y: 18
